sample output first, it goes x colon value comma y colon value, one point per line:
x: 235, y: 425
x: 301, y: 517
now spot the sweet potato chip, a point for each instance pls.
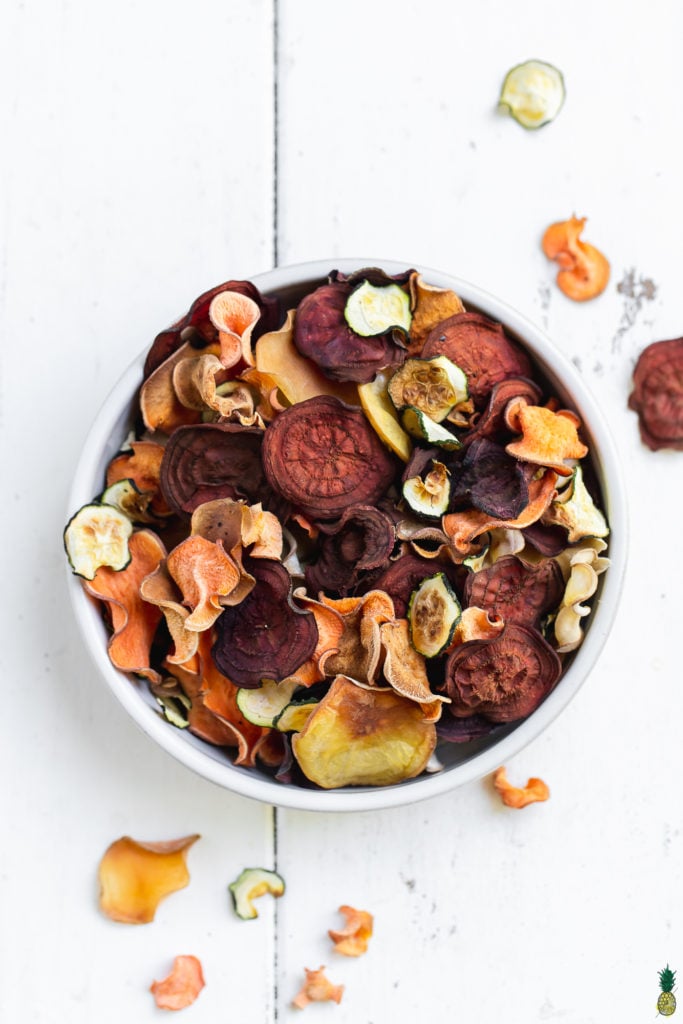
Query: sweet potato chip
x: 548, y: 438
x: 181, y: 987
x: 134, y: 621
x: 512, y: 796
x: 431, y: 305
x: 135, y: 876
x: 142, y: 465
x: 317, y: 989
x: 234, y: 316
x: 363, y: 736
x: 159, y: 589
x: 353, y: 938
x: 463, y: 528
x: 584, y: 271
x: 206, y: 575
x: 476, y: 624
x: 330, y: 625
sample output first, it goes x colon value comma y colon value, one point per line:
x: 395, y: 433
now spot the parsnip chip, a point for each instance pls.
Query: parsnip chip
x: 463, y: 528
x: 353, y: 938
x: 237, y: 526
x: 195, y: 384
x: 512, y: 796
x: 134, y: 877
x: 582, y: 584
x: 404, y: 668
x: 430, y: 306
x: 205, y: 575
x: 297, y: 377
x: 575, y: 509
x: 363, y: 736
x: 134, y: 621
x: 359, y: 644
x: 181, y: 987
x: 160, y: 406
x: 317, y: 989
x: 548, y: 438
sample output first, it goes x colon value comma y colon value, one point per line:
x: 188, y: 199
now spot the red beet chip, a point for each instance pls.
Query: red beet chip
x: 516, y: 592
x: 490, y: 480
x: 491, y: 423
x: 504, y: 679
x: 361, y: 541
x: 322, y: 334
x: 266, y: 636
x: 323, y: 456
x: 203, y: 332
x: 212, y: 460
x: 481, y: 348
x: 403, y: 576
x: 657, y: 396
x: 547, y: 540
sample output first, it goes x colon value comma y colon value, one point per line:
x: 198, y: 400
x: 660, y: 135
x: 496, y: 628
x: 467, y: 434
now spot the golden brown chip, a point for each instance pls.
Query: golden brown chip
x: 317, y: 989
x: 363, y: 736
x: 512, y: 796
x: 353, y: 938
x: 134, y: 877
x: 405, y: 669
x: 160, y: 406
x: 359, y: 644
x: 181, y: 987
x: 430, y: 306
x: 159, y: 589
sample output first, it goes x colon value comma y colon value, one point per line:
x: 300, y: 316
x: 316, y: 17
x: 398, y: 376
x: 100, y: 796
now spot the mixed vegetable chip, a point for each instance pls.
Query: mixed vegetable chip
x: 348, y: 530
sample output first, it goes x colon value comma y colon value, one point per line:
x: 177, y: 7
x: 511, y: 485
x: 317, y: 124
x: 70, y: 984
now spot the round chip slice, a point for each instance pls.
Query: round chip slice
x: 533, y: 92
x: 371, y: 310
x: 97, y: 535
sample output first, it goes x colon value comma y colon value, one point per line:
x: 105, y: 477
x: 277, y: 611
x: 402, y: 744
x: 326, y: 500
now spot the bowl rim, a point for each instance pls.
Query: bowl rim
x: 87, y: 480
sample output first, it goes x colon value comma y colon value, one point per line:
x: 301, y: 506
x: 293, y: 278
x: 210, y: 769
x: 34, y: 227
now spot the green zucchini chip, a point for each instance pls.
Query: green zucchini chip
x: 424, y: 428
x: 97, y: 535
x: 372, y: 310
x: 429, y: 496
x: 127, y: 497
x: 262, y: 705
x: 252, y: 883
x: 294, y: 717
x: 433, y: 613
x: 434, y: 386
x: 533, y: 93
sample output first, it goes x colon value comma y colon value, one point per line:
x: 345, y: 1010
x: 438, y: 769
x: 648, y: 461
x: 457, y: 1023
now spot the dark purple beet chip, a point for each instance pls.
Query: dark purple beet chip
x: 490, y: 480
x: 463, y: 730
x: 361, y: 541
x: 547, y: 540
x: 491, y: 423
x: 657, y: 396
x: 266, y: 636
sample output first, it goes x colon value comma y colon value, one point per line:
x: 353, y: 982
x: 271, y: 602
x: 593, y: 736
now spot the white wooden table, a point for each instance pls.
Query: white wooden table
x: 152, y: 150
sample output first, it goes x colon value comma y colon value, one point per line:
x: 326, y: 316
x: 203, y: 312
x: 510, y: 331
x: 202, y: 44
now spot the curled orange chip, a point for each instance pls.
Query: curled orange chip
x: 134, y: 621
x: 135, y: 877
x: 534, y: 791
x: 317, y: 989
x: 234, y: 316
x: 584, y: 271
x: 353, y: 938
x: 548, y: 437
x: 181, y: 987
x: 142, y: 465
x: 205, y: 575
x: 359, y: 644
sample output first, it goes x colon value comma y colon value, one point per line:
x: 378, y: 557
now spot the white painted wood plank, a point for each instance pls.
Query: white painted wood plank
x: 137, y: 172
x: 390, y: 145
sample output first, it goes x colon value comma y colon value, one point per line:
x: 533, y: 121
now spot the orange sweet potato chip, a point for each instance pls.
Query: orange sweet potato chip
x: 353, y: 938
x: 234, y: 316
x: 317, y: 989
x: 205, y: 575
x: 584, y: 271
x: 159, y: 589
x: 463, y: 528
x: 548, y: 438
x: 134, y: 877
x: 142, y: 465
x: 330, y: 625
x: 534, y: 791
x: 134, y: 621
x: 181, y: 987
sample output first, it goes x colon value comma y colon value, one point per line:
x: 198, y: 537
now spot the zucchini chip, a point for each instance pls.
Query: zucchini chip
x: 533, y: 93
x: 252, y: 883
x: 372, y: 310
x: 97, y: 535
x: 429, y: 496
x: 434, y: 386
x: 433, y: 613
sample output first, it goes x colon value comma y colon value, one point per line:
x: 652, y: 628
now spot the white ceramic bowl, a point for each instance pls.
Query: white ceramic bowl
x: 464, y: 762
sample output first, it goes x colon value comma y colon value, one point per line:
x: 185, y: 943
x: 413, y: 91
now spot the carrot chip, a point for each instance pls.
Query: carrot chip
x: 353, y: 938
x: 512, y: 796
x: 181, y: 987
x: 317, y: 989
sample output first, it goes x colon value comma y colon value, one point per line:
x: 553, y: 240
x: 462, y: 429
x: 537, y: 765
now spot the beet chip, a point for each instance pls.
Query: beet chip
x: 491, y: 481
x: 657, y: 396
x: 196, y: 321
x: 481, y: 348
x: 491, y: 423
x: 266, y: 636
x: 503, y: 679
x: 322, y: 334
x: 516, y: 592
x: 323, y: 456
x: 207, y: 461
x: 362, y: 540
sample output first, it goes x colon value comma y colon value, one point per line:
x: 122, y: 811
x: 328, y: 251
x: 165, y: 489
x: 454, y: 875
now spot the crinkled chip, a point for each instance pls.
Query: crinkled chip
x: 514, y: 796
x: 516, y: 592
x: 575, y: 510
x: 206, y: 576
x: 404, y: 668
x: 353, y: 938
x: 317, y: 989
x: 363, y: 736
x: 548, y: 438
x: 181, y: 987
x: 135, y: 876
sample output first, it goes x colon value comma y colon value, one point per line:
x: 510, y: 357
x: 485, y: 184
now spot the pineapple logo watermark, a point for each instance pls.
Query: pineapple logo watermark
x: 666, y: 1003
